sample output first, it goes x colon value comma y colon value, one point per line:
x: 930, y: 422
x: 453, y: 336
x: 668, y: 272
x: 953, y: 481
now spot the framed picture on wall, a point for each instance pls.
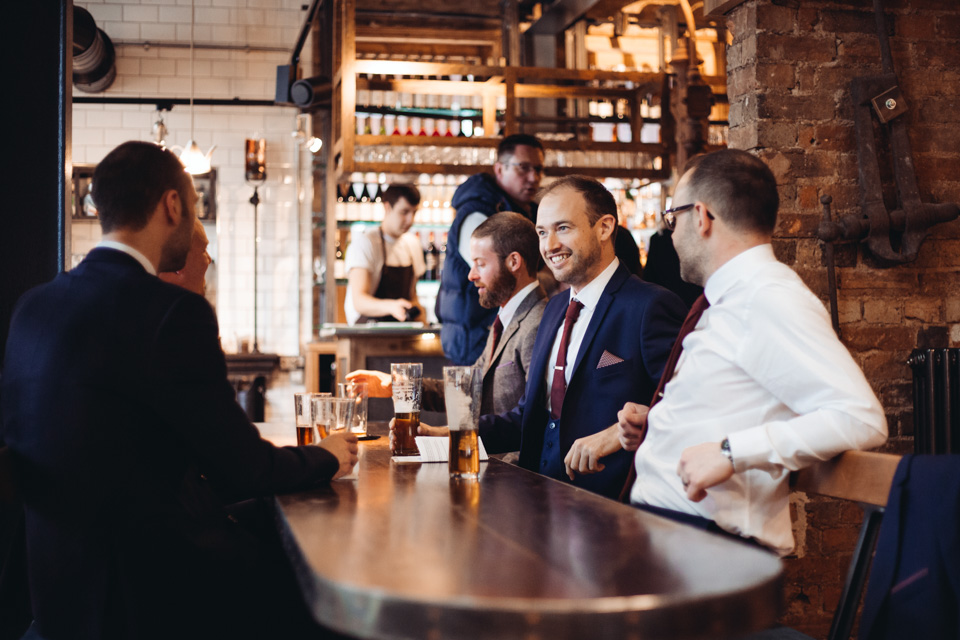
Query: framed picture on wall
x: 206, y: 185
x: 83, y: 207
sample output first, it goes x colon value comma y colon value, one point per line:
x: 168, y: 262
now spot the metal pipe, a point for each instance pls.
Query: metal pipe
x: 304, y: 31
x: 830, y: 258
x: 165, y: 104
x: 167, y: 44
x: 692, y: 26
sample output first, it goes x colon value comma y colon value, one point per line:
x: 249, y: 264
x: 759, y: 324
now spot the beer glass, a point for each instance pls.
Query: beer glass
x: 407, y: 381
x: 462, y: 391
x: 303, y: 410
x: 332, y: 414
x: 357, y: 391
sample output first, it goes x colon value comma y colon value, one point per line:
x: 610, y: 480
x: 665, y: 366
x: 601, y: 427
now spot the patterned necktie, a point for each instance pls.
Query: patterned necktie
x: 497, y: 332
x: 699, y: 306
x: 559, y: 387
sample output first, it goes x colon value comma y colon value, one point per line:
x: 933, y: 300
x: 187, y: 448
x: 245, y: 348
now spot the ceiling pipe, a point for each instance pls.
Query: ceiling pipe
x: 94, y: 60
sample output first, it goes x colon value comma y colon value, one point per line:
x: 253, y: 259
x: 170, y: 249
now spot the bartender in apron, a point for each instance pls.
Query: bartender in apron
x: 384, y: 263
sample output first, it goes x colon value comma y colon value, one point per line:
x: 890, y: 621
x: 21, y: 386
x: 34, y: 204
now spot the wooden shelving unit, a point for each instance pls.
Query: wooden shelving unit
x: 548, y: 102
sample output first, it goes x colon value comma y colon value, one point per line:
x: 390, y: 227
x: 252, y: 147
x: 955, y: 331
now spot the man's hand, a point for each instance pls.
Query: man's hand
x: 585, y: 454
x: 423, y: 430
x: 379, y: 384
x: 702, y: 467
x: 632, y: 425
x: 398, y: 308
x: 342, y: 444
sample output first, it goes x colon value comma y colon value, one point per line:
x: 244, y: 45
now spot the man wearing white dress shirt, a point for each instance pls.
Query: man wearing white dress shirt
x: 762, y: 386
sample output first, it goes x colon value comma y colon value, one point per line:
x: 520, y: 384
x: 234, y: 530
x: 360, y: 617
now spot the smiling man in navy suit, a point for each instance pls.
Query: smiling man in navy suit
x: 603, y: 342
x: 129, y: 444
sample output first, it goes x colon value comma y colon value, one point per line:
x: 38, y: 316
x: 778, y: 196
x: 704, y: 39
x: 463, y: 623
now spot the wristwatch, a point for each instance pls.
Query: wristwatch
x: 725, y: 450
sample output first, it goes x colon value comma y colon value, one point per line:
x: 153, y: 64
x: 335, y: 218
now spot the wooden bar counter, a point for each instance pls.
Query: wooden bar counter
x: 403, y: 552
x: 355, y: 346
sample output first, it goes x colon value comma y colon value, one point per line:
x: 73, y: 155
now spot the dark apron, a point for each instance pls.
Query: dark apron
x: 392, y: 280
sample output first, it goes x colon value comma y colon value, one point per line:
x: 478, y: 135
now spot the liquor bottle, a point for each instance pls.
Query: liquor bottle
x: 432, y: 257
x: 442, y: 257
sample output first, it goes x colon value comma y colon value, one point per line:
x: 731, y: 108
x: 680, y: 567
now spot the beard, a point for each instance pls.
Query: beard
x: 499, y: 291
x: 691, y: 267
x: 173, y: 257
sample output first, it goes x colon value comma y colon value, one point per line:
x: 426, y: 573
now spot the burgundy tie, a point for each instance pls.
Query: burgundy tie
x: 559, y: 387
x: 497, y: 332
x: 699, y: 306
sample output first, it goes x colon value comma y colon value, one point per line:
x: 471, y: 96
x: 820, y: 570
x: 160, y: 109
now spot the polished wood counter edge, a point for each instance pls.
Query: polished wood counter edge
x: 403, y: 552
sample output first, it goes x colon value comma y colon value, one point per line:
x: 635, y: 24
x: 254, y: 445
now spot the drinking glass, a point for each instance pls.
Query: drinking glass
x: 358, y: 392
x: 332, y: 414
x: 303, y: 410
x: 462, y: 392
x: 407, y: 381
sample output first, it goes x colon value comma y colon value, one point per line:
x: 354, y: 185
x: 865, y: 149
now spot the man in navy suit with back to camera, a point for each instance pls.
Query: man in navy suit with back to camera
x: 129, y: 444
x: 601, y: 344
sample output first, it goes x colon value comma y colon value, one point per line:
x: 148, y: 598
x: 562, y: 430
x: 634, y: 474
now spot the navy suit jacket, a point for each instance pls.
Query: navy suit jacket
x: 914, y: 589
x: 635, y: 321
x: 128, y: 442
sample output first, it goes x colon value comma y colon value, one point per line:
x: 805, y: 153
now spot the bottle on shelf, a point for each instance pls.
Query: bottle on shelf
x: 431, y: 257
x: 441, y: 258
x: 339, y: 266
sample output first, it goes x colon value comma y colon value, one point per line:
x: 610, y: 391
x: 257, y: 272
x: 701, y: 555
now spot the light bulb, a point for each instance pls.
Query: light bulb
x: 193, y: 159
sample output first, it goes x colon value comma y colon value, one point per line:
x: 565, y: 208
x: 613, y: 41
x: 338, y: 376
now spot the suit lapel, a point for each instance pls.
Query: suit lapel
x: 510, y: 330
x: 603, y: 304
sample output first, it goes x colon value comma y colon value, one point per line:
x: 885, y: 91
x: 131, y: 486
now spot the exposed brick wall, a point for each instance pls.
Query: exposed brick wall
x: 789, y: 74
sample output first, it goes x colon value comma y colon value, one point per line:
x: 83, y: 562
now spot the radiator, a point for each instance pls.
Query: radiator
x: 936, y: 400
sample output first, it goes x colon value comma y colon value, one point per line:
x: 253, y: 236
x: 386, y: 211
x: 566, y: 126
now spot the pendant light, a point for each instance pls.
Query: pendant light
x: 194, y: 161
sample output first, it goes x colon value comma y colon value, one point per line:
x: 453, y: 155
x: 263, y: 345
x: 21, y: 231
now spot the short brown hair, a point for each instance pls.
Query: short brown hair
x: 406, y: 191
x: 740, y: 186
x: 129, y: 183
x: 512, y: 232
x: 599, y: 200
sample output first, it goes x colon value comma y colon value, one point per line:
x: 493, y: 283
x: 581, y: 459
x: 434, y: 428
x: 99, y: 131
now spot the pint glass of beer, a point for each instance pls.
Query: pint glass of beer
x: 336, y: 414
x: 358, y: 392
x: 407, y: 381
x: 462, y: 389
x: 303, y: 410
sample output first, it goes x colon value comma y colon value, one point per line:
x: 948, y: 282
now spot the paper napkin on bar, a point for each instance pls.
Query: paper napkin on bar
x: 435, y: 449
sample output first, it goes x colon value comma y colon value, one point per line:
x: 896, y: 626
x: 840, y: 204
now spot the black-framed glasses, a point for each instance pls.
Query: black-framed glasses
x: 525, y: 167
x: 670, y: 215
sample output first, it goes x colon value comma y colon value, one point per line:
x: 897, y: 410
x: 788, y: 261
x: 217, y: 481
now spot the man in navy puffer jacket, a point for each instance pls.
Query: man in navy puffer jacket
x: 512, y: 187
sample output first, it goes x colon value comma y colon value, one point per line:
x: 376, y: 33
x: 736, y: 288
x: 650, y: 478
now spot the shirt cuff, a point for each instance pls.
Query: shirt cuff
x: 750, y: 449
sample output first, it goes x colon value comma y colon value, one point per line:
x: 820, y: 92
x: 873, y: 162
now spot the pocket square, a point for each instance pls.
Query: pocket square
x: 608, y: 359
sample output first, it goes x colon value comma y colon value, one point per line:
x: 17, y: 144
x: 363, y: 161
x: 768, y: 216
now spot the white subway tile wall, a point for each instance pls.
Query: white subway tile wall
x: 163, y: 71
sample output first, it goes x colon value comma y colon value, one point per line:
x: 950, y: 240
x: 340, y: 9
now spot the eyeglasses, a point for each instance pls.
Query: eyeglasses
x: 670, y: 215
x: 526, y: 167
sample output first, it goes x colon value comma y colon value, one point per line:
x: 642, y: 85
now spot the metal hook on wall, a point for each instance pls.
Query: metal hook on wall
x: 893, y: 237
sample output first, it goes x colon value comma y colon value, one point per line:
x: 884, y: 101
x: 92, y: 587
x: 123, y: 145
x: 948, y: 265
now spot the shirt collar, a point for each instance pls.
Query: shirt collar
x: 508, y: 310
x: 130, y: 251
x: 589, y: 296
x: 741, y: 266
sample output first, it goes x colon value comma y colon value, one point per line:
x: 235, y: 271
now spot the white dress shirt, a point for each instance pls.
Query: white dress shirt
x: 589, y: 296
x: 763, y: 368
x: 130, y: 251
x: 509, y: 310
